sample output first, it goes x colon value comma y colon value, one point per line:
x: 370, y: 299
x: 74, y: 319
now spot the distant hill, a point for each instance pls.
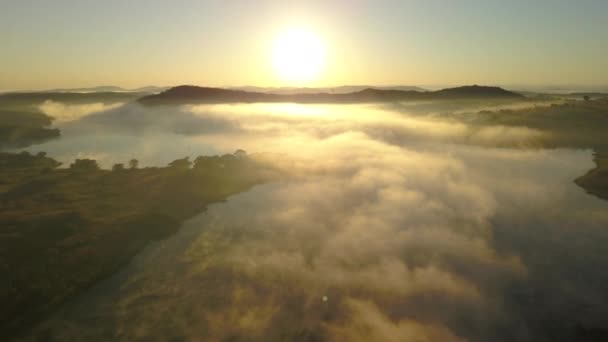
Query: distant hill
x: 194, y: 94
x: 149, y: 89
x: 475, y: 91
x: 590, y: 94
x: 98, y: 89
x: 36, y: 98
x: 330, y: 90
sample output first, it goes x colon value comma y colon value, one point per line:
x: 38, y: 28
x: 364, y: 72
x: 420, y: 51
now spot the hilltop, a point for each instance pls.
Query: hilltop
x: 475, y: 91
x: 195, y: 94
x: 96, y: 89
x: 333, y: 90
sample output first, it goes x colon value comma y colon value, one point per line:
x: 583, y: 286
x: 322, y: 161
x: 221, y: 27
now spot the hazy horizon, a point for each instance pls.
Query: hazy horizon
x: 550, y: 88
x: 69, y: 44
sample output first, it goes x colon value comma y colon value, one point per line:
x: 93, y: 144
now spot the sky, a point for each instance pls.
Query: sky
x: 82, y: 43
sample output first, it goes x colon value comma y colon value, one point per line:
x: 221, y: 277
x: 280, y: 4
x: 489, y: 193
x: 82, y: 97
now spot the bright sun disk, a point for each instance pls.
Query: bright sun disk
x: 298, y: 56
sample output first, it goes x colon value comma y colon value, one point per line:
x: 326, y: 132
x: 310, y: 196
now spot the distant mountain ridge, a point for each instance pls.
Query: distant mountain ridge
x: 37, y: 98
x: 195, y: 94
x: 98, y: 89
x: 332, y: 90
x: 477, y: 91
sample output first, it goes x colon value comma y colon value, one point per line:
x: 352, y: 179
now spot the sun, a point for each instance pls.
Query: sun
x: 298, y: 56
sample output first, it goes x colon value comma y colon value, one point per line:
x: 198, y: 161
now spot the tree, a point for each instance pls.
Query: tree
x: 183, y: 163
x: 586, y: 98
x: 118, y: 167
x: 240, y: 153
x: 84, y: 165
x: 206, y: 163
x: 133, y: 163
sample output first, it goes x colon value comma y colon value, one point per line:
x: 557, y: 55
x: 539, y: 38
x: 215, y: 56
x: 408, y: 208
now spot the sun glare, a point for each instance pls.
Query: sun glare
x: 298, y: 56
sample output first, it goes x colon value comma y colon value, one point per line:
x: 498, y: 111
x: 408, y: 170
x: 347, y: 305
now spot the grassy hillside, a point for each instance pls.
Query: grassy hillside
x: 574, y: 124
x: 62, y: 229
x: 21, y: 128
x: 23, y: 124
x: 596, y: 181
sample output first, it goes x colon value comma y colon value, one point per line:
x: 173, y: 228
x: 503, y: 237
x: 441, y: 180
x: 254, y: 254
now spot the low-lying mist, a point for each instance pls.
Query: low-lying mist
x: 395, y: 224
x: 156, y: 134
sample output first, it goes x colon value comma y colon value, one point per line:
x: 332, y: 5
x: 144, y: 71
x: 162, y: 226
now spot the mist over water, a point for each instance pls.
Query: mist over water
x: 396, y: 223
x: 117, y: 132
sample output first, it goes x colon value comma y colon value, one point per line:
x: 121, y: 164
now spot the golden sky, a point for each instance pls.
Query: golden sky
x: 232, y: 43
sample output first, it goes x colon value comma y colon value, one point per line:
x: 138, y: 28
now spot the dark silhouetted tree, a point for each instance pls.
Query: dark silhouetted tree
x: 183, y: 163
x: 118, y: 167
x: 206, y: 163
x: 240, y: 153
x: 133, y: 163
x: 84, y: 165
